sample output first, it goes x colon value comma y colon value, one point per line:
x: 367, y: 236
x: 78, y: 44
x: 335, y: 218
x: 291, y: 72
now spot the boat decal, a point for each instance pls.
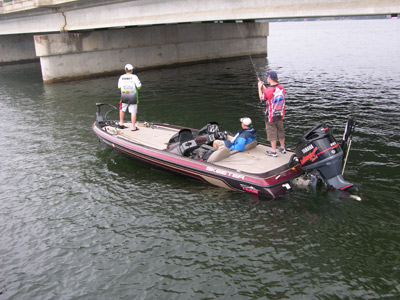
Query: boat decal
x: 345, y: 187
x: 308, y: 148
x: 333, y: 145
x: 249, y: 188
x: 224, y: 172
x: 216, y: 181
x: 312, y: 156
x: 309, y: 157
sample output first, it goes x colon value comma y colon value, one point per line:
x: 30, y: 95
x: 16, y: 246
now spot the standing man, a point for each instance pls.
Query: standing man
x: 274, y: 95
x: 129, y: 84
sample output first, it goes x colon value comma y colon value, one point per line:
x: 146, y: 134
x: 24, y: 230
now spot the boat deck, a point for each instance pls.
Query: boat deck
x: 252, y: 161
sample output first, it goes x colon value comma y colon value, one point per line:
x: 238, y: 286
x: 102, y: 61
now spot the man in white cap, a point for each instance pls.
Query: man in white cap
x: 243, y: 137
x: 129, y: 84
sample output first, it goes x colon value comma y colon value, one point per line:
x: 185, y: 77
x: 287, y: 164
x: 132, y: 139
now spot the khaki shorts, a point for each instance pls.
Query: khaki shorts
x: 221, y: 143
x: 132, y: 107
x: 275, y: 130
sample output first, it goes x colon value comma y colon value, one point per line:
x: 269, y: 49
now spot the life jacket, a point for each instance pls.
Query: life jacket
x: 242, y: 138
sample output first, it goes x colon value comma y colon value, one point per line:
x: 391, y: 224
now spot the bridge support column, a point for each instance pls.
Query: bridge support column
x: 17, y: 48
x: 68, y: 56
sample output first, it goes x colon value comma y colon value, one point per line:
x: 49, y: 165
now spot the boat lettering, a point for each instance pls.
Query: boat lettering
x: 250, y: 189
x: 333, y: 144
x: 309, y: 157
x: 225, y: 173
x: 308, y: 148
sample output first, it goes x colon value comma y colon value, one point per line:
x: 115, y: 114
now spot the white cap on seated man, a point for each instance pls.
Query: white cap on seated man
x: 246, y: 121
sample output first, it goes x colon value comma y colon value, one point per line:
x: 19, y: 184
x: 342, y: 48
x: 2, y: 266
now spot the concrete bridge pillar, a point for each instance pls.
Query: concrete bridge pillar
x: 17, y: 48
x: 67, y: 56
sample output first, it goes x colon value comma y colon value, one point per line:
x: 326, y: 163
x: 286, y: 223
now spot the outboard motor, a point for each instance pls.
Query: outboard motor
x: 318, y: 150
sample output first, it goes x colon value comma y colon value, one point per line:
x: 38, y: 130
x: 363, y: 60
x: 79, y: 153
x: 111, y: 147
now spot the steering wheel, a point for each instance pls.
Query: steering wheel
x: 212, y: 128
x: 214, y: 132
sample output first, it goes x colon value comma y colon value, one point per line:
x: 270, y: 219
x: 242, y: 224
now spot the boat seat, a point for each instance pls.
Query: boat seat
x: 248, y: 147
x: 219, y: 154
x: 224, y: 152
x: 186, y: 142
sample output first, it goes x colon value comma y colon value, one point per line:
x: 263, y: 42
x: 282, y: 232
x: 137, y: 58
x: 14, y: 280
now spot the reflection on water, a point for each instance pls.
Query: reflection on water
x: 79, y: 221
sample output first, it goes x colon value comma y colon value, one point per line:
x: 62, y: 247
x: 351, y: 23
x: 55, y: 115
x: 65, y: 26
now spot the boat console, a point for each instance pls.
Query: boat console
x: 196, y: 143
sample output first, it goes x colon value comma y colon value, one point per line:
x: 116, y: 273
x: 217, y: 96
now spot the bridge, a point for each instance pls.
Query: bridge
x: 86, y: 38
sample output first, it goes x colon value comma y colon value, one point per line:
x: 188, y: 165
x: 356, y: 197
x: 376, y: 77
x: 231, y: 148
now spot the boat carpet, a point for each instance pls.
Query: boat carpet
x: 157, y: 137
x: 254, y: 160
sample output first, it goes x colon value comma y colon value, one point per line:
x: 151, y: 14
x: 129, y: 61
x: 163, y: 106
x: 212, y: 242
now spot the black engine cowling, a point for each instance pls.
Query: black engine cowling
x: 318, y: 149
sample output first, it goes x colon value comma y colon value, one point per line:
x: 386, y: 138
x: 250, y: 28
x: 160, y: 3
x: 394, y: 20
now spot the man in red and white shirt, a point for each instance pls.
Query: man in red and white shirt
x: 274, y: 95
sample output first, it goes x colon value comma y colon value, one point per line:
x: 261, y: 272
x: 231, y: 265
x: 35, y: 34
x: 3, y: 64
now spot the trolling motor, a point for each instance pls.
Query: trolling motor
x: 318, y: 151
x: 99, y: 117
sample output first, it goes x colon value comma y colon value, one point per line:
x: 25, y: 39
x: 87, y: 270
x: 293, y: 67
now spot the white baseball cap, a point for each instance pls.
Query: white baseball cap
x: 128, y: 67
x: 246, y: 121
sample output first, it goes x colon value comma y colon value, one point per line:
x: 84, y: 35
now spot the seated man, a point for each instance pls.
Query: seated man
x: 238, y: 142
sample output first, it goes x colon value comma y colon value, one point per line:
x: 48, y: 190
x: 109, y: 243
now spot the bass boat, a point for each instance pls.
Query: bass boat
x: 188, y: 151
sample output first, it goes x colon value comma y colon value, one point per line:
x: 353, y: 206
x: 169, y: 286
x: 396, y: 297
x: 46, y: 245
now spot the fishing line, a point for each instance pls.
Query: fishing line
x: 242, y: 35
x: 251, y: 58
